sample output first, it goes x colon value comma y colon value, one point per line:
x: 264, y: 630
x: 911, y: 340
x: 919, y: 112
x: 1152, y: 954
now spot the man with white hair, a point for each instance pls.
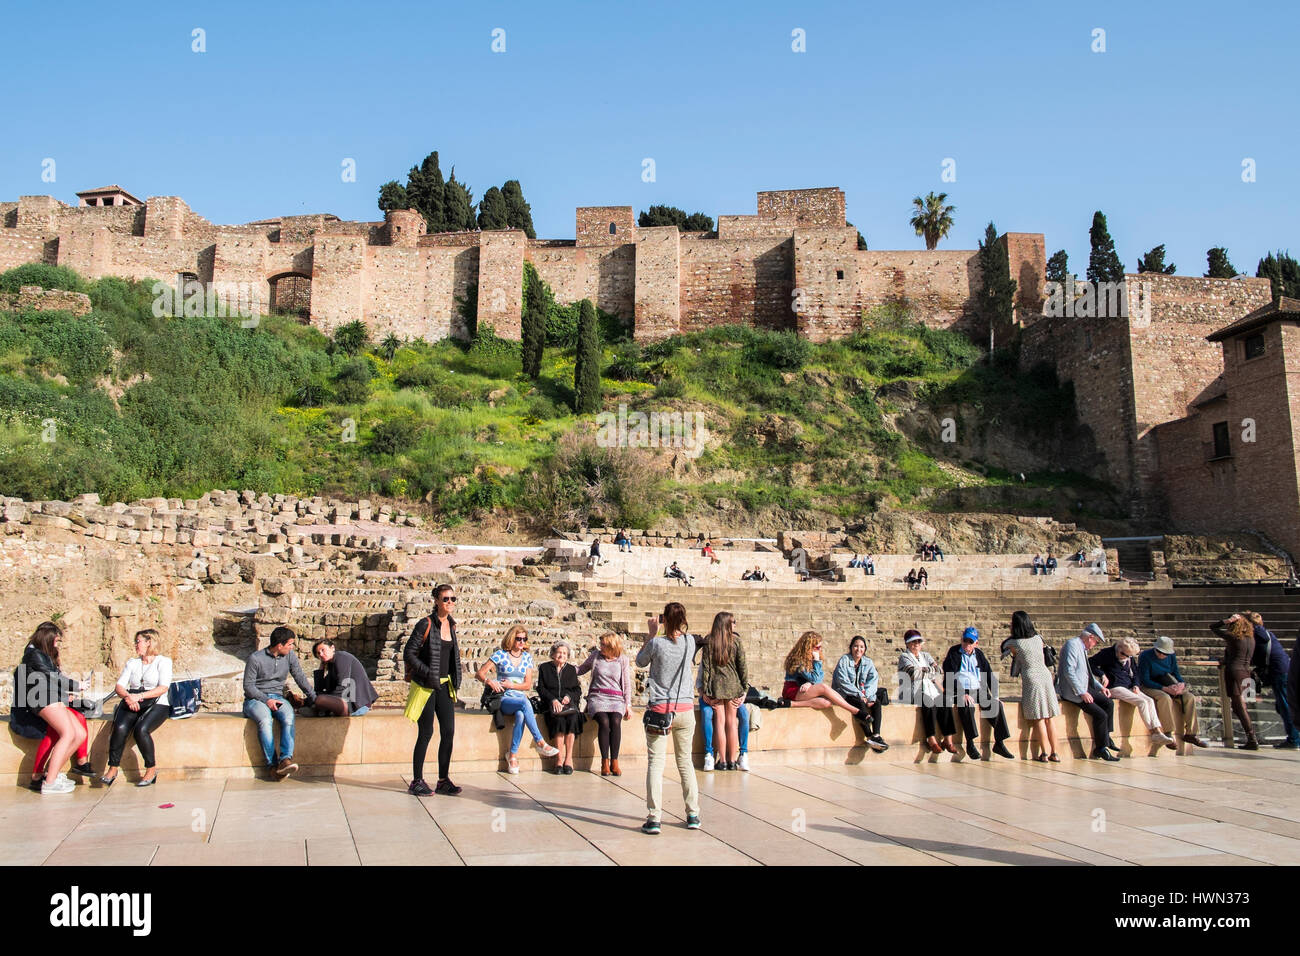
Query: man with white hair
x: 1118, y: 668
x: 1076, y: 683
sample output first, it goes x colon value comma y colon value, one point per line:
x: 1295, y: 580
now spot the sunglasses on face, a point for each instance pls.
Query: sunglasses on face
x: 448, y: 600
x: 521, y: 640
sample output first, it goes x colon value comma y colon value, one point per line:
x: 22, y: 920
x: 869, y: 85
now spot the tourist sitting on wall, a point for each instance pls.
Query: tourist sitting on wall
x: 1049, y: 566
x: 755, y: 575
x: 673, y: 571
x: 856, y: 680
x: 431, y: 657
x: 911, y: 579
x: 1037, y: 566
x: 804, y: 675
x: 724, y: 681
x: 971, y: 685
x: 560, y: 695
x: 922, y: 579
x: 142, y: 687
x: 868, y: 565
x: 1117, y: 667
x: 936, y: 552
x: 623, y: 541
x: 593, y: 559
x: 1076, y: 683
x: 855, y: 562
x: 510, y: 672
x: 609, y: 697
x: 707, y: 551
x: 1160, y: 679
x: 342, y: 687
x: 1274, y: 668
x: 918, y: 684
x: 925, y: 550
x: 266, y: 679
x: 41, y: 709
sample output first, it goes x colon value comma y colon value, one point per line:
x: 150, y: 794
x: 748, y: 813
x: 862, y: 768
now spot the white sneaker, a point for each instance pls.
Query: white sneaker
x: 743, y: 762
x: 1161, y: 737
x: 708, y: 762
x: 545, y: 749
x: 60, y: 784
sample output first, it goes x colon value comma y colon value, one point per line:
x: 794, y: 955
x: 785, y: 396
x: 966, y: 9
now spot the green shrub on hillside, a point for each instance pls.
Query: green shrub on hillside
x: 45, y: 276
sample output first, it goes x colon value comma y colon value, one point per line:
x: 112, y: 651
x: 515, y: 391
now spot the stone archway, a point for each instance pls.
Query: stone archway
x: 291, y: 294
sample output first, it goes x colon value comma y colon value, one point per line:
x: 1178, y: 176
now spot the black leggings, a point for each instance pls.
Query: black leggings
x: 868, y: 717
x: 1236, y: 678
x: 937, y: 713
x: 440, y: 705
x: 609, y: 733
x: 144, y: 722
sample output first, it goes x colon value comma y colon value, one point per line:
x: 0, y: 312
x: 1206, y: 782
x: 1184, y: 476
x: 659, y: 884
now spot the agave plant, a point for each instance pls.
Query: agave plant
x: 933, y: 218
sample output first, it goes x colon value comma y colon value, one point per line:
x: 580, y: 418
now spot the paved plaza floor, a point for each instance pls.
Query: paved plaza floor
x: 1216, y: 807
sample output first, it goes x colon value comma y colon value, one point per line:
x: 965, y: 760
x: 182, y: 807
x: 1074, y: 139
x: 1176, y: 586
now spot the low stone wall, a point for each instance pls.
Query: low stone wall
x: 44, y: 300
x: 225, y: 745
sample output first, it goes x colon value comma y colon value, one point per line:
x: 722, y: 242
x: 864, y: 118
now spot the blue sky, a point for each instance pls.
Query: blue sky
x: 1043, y: 130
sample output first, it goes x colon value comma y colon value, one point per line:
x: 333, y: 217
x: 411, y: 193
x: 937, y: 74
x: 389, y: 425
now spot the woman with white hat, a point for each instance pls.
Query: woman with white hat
x: 918, y: 683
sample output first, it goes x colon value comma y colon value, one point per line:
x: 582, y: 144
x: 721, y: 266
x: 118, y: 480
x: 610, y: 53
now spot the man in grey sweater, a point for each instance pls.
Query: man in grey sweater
x: 266, y: 677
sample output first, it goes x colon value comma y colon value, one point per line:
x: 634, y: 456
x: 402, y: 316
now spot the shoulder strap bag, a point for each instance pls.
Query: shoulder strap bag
x: 660, y: 725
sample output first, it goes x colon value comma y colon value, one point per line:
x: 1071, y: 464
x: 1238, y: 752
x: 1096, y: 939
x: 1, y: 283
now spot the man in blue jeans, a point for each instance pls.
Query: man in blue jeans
x: 266, y: 678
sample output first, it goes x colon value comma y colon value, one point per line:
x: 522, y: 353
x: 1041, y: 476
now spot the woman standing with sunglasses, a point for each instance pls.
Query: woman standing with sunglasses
x: 432, y: 659
x: 515, y: 673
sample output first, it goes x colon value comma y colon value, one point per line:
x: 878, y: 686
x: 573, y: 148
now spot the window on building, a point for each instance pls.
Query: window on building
x: 839, y: 273
x: 1221, y: 447
x: 613, y: 229
x: 1254, y: 345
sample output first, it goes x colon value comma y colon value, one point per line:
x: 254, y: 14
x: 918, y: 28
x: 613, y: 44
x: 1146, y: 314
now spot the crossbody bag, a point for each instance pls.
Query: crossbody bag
x: 661, y: 724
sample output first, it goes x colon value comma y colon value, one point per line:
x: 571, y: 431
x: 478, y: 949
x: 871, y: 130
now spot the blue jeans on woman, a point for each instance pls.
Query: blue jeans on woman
x: 522, y: 709
x: 706, y: 718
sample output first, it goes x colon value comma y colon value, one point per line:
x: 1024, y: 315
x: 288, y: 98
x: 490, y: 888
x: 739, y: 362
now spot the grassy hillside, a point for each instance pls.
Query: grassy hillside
x: 146, y: 406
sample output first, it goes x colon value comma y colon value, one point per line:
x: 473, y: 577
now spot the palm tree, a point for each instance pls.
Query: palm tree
x: 933, y: 219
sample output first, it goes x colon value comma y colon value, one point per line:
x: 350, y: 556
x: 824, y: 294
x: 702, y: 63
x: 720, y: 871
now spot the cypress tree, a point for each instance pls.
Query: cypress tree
x: 997, y: 294
x: 1058, y: 266
x: 458, y: 203
x: 534, y: 321
x: 1219, y: 265
x: 1283, y: 272
x: 1103, y: 263
x: 519, y: 215
x: 424, y: 189
x: 492, y: 211
x: 586, y: 372
x: 392, y: 195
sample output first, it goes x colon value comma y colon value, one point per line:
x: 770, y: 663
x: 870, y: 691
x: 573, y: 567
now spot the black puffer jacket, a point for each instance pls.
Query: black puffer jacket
x: 37, y: 684
x: 423, y: 653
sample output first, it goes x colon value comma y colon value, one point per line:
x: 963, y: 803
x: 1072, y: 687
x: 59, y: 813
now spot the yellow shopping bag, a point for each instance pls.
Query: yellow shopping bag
x: 416, y: 698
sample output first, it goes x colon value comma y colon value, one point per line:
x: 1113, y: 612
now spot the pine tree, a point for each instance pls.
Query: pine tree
x: 1154, y: 261
x: 536, y: 305
x: 1219, y: 265
x: 519, y: 215
x: 1103, y: 263
x: 672, y: 216
x: 392, y: 195
x: 997, y: 294
x: 1058, y: 266
x: 586, y: 372
x: 492, y: 212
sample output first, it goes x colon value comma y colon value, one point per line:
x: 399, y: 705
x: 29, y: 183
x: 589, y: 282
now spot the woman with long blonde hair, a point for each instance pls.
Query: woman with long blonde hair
x: 609, y: 697
x: 143, y: 688
x: 804, y: 674
x: 723, y: 683
x: 514, y: 675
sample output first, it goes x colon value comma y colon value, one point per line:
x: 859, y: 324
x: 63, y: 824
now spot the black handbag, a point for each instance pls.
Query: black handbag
x: 1049, y: 655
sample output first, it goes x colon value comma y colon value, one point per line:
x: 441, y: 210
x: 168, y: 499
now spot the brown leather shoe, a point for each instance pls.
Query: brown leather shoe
x: 604, y: 767
x: 933, y: 745
x: 613, y: 769
x: 1194, y: 740
x: 285, y: 767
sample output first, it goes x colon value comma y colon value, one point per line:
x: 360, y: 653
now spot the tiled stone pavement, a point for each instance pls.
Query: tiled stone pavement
x: 1215, y: 807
